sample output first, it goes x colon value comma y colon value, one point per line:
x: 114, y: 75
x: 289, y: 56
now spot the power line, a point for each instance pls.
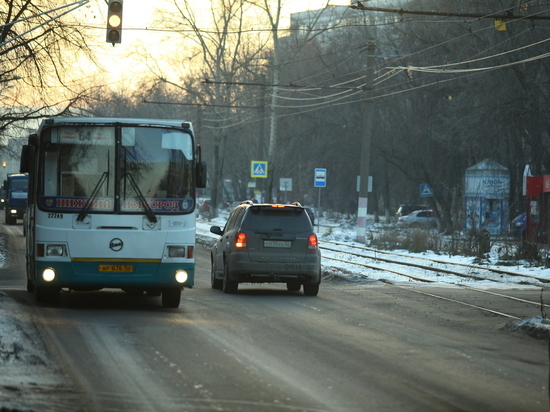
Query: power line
x: 290, y: 85
x: 505, y: 16
x: 202, y: 105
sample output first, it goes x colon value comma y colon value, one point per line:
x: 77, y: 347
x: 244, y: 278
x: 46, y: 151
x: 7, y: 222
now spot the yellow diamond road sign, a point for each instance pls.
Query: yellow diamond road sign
x: 258, y: 168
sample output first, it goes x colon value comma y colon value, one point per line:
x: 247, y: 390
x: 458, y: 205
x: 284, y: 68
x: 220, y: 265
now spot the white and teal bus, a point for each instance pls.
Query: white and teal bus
x: 111, y: 205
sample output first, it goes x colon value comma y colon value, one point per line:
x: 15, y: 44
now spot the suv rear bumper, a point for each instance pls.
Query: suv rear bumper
x: 241, y: 269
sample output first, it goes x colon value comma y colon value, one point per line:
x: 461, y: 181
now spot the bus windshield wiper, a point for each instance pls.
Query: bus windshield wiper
x: 91, y: 199
x: 148, y: 211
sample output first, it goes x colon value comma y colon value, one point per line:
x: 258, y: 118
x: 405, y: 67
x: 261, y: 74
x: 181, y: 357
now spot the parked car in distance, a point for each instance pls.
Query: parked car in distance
x: 405, y: 210
x: 204, y: 208
x: 266, y: 243
x: 420, y: 219
x: 518, y: 227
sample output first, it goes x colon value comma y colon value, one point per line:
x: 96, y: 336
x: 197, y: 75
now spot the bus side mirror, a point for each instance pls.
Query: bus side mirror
x: 200, y: 174
x: 26, y: 159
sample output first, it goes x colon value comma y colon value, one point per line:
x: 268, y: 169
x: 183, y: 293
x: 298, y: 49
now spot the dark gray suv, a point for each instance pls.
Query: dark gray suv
x: 267, y: 243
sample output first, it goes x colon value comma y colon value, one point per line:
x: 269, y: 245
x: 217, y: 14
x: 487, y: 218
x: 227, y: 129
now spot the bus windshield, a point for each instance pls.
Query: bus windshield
x: 116, y: 169
x: 20, y: 184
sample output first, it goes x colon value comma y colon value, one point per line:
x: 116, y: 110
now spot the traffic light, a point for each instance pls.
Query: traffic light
x: 114, y: 22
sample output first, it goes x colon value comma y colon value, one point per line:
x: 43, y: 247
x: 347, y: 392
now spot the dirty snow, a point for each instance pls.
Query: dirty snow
x: 27, y: 371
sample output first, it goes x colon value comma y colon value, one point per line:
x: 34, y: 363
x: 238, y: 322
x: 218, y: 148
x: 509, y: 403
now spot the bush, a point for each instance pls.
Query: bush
x: 475, y: 244
x: 413, y: 240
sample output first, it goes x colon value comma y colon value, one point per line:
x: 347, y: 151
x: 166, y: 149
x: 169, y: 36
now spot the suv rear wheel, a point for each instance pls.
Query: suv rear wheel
x: 311, y: 289
x: 293, y: 286
x: 214, y: 282
x: 229, y: 286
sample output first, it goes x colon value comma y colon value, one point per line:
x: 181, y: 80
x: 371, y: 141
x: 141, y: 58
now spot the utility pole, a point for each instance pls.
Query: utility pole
x: 365, y: 148
x: 261, y: 136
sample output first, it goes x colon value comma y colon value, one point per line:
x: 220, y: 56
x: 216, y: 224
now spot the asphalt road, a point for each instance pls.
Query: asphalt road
x: 355, y: 347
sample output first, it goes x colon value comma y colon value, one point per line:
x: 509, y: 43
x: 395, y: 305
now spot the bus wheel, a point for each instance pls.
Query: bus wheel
x: 44, y: 294
x: 41, y: 294
x: 171, y: 297
x: 30, y: 286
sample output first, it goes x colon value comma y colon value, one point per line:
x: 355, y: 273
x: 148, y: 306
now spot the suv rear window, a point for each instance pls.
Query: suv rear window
x: 288, y: 219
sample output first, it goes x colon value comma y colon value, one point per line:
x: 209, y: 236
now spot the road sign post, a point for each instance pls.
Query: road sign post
x: 285, y: 185
x: 319, y: 180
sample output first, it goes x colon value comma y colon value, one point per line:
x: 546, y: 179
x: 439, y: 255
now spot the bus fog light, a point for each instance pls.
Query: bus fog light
x: 48, y: 275
x: 181, y: 276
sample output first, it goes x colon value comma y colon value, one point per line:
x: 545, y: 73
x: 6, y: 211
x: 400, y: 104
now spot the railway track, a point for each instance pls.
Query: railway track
x: 423, y: 270
x: 435, y: 266
x: 388, y: 261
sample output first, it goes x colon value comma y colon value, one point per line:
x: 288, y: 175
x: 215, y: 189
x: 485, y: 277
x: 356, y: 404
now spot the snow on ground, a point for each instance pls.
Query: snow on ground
x: 353, y: 272
x: 330, y: 231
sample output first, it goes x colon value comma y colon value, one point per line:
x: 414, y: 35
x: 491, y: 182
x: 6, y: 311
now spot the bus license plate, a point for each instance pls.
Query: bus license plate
x: 277, y: 243
x: 116, y: 268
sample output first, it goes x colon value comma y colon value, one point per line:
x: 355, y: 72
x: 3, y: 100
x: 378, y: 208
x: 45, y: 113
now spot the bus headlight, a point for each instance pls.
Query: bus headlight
x: 181, y: 276
x: 55, y: 250
x: 48, y: 275
x: 176, y: 251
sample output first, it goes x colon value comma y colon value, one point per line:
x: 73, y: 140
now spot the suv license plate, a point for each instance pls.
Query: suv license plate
x: 116, y: 268
x: 277, y: 243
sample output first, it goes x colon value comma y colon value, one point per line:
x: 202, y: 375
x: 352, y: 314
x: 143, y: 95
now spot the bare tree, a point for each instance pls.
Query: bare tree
x: 272, y: 10
x: 38, y: 42
x: 223, y: 53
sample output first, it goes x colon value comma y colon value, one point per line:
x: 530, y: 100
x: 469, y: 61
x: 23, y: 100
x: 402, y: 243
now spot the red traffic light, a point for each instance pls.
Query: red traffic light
x: 114, y: 22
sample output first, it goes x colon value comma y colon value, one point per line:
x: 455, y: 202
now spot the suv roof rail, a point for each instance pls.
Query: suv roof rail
x: 247, y: 202
x: 296, y: 204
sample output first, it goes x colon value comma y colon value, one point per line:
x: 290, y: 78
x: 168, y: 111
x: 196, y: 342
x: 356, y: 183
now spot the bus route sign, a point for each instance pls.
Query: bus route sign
x: 320, y: 178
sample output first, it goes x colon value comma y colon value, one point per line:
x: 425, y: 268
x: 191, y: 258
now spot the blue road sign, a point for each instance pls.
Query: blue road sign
x: 258, y: 169
x: 320, y: 178
x: 426, y: 190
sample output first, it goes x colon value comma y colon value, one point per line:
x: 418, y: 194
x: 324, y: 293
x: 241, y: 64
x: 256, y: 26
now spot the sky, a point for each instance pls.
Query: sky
x: 138, y: 12
x: 138, y: 15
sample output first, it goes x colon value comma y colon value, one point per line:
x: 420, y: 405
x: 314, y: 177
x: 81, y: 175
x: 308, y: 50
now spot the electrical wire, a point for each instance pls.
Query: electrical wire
x: 443, y: 68
x: 337, y: 97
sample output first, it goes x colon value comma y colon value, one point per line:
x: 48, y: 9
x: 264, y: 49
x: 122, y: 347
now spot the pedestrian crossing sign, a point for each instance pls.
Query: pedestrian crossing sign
x: 258, y: 169
x: 426, y: 190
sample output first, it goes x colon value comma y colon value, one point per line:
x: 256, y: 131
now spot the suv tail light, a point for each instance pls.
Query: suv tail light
x: 313, y: 244
x: 240, y: 242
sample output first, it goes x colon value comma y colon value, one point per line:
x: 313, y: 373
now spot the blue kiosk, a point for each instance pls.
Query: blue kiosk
x: 487, y: 197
